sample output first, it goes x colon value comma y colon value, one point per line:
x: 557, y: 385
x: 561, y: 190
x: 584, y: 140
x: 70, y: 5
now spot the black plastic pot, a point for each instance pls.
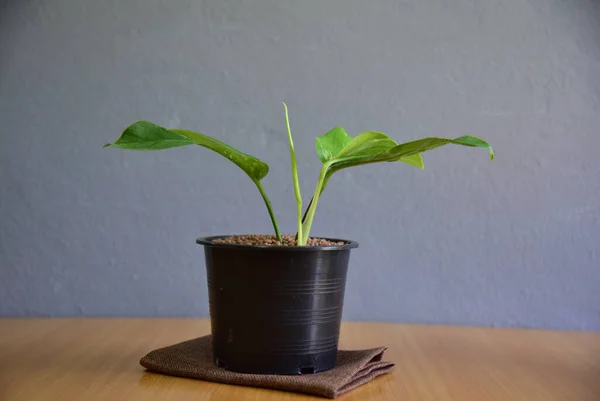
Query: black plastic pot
x: 275, y: 309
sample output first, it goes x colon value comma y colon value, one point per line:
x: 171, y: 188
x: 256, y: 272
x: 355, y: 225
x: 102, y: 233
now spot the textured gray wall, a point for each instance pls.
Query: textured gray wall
x: 92, y: 231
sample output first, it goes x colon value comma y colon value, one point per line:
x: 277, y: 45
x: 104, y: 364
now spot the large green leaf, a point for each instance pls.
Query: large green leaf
x: 144, y: 135
x: 337, y: 144
x: 337, y: 150
x: 371, y: 143
x: 365, y: 148
x: 403, y: 152
x: 425, y: 144
x: 366, y: 144
x: 409, y: 152
x: 366, y: 151
x: 332, y: 143
x: 375, y: 147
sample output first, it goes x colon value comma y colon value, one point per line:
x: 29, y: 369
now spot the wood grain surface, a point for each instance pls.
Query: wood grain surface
x: 97, y: 359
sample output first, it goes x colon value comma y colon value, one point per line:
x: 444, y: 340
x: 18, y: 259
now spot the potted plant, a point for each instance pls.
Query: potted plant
x: 276, y: 301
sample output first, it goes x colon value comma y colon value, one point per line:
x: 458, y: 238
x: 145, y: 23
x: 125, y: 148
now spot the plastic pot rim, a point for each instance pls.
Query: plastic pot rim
x: 208, y: 242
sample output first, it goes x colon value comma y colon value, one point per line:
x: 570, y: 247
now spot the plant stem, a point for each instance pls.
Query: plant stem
x: 269, y: 208
x: 311, y: 201
x: 310, y: 215
x: 300, y: 241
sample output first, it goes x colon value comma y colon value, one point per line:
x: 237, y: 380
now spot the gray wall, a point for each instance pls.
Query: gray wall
x: 106, y: 232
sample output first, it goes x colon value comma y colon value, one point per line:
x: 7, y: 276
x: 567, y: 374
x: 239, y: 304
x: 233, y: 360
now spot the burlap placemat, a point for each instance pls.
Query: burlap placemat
x: 193, y: 359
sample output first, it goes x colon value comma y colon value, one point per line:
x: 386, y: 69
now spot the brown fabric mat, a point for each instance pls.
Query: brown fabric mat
x: 193, y: 359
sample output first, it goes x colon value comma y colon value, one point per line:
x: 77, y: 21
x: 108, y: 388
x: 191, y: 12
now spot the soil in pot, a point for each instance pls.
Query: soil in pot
x: 271, y: 240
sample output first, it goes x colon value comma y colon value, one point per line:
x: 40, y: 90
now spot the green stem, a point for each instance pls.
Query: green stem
x: 300, y: 241
x: 310, y: 215
x: 310, y: 203
x: 269, y: 208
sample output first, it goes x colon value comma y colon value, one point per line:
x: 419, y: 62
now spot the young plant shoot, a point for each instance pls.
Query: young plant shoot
x: 300, y: 240
x: 336, y: 149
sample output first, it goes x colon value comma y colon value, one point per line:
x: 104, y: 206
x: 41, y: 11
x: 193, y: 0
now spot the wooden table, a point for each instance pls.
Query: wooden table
x: 97, y: 359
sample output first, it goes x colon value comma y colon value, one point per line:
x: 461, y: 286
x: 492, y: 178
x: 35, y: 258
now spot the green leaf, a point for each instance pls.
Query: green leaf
x: 375, y: 147
x: 338, y: 144
x: 406, y: 152
x: 367, y: 144
x: 336, y: 156
x: 364, y: 149
x: 425, y: 144
x: 409, y: 153
x: 300, y: 241
x: 413, y: 160
x: 330, y: 144
x: 144, y: 135
x: 254, y: 167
